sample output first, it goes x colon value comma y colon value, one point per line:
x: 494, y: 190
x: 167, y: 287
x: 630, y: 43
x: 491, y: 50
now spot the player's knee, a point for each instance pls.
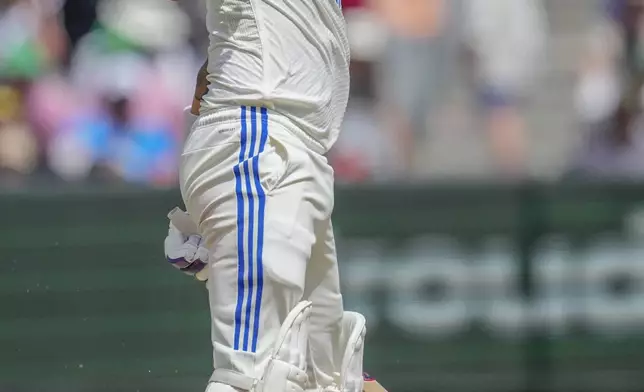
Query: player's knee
x: 327, y: 323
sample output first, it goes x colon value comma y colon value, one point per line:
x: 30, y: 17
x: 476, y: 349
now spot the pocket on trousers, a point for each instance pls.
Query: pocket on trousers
x: 273, y: 165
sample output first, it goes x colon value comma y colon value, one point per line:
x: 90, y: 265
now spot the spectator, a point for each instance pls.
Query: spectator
x: 608, y: 98
x: 614, y: 148
x: 113, y: 143
x: 79, y: 18
x: 507, y: 40
x: 17, y: 145
x: 32, y: 40
x: 599, y: 85
x: 411, y: 72
x: 627, y: 16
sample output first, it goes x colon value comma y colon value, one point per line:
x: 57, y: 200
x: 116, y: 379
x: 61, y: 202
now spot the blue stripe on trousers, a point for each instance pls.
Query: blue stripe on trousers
x: 254, y: 258
x: 240, y: 229
x: 261, y: 196
x: 251, y: 222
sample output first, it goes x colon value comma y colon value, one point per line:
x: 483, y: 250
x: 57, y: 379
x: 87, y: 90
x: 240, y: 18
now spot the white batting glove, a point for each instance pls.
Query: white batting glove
x: 186, y: 251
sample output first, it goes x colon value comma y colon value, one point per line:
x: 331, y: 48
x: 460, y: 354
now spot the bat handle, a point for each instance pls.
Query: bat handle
x: 182, y: 221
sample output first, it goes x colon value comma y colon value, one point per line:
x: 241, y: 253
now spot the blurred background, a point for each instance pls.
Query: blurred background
x: 490, y: 199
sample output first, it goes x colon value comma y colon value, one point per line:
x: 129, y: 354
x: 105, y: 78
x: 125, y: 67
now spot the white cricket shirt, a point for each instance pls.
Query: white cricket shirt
x: 291, y: 56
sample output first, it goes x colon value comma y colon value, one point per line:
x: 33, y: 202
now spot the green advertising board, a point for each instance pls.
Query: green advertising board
x: 487, y: 288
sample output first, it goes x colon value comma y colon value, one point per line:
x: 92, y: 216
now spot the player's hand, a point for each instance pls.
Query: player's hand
x: 187, y: 253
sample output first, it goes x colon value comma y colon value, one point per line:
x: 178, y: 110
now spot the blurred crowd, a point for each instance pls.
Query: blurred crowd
x: 93, y: 90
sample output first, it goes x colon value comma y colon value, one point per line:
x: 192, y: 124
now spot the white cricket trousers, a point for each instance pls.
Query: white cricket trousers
x: 263, y: 203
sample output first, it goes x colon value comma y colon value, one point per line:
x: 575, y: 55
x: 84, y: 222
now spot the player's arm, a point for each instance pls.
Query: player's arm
x: 201, y: 88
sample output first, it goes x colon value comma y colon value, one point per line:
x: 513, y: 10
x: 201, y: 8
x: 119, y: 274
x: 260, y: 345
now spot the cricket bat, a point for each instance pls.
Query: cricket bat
x: 182, y: 221
x: 371, y: 385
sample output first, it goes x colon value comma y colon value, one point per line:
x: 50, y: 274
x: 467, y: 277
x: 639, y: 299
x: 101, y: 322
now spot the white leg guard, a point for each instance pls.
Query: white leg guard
x: 353, y: 334
x: 351, y: 376
x: 286, y: 369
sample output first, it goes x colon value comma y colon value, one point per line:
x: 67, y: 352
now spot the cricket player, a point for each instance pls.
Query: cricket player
x: 259, y: 195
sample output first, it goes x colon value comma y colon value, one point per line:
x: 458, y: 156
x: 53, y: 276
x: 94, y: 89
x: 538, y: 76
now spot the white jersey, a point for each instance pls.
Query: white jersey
x: 291, y: 56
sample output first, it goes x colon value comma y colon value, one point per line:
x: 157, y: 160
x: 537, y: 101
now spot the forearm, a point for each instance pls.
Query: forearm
x: 201, y: 88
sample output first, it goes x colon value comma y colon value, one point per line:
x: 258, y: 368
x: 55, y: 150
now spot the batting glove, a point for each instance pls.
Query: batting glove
x: 187, y: 252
